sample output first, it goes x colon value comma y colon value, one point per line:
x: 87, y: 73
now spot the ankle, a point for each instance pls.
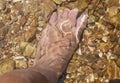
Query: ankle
x: 48, y: 73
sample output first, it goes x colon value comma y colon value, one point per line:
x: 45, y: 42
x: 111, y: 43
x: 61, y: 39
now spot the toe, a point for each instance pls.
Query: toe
x: 59, y: 12
x: 73, y: 15
x: 65, y: 13
x: 53, y: 18
x: 81, y: 21
x: 81, y: 24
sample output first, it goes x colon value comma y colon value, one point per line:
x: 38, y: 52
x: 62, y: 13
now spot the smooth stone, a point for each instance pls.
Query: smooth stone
x: 6, y: 65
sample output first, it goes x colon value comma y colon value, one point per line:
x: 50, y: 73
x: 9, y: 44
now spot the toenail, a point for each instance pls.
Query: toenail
x: 84, y: 17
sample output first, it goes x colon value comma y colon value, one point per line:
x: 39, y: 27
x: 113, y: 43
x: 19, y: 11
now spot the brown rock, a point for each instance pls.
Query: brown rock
x: 30, y: 34
x: 3, y: 32
x: 104, y: 47
x: 98, y: 35
x: 2, y: 4
x: 23, y: 20
x: 112, y: 71
x: 118, y: 62
x: 117, y: 50
x: 113, y: 3
x: 2, y: 24
x: 112, y: 11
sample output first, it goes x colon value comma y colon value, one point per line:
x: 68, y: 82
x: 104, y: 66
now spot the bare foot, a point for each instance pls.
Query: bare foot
x: 57, y: 44
x: 59, y: 40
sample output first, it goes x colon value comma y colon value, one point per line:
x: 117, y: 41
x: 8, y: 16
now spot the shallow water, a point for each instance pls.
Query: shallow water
x: 97, y: 58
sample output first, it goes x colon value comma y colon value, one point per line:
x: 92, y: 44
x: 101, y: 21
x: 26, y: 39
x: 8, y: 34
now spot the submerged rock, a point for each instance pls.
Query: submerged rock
x: 6, y: 65
x: 59, y: 1
x: 29, y: 50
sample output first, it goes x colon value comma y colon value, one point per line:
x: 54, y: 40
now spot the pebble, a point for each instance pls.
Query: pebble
x: 20, y: 64
x: 30, y: 34
x: 59, y: 1
x: 27, y: 20
x: 6, y: 65
x: 2, y: 24
x: 29, y: 50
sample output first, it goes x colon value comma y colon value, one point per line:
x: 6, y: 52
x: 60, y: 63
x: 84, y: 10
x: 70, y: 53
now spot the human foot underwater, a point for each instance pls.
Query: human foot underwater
x: 55, y: 48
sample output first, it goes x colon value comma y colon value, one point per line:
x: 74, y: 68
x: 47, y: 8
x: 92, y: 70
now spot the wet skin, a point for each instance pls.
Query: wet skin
x: 56, y: 46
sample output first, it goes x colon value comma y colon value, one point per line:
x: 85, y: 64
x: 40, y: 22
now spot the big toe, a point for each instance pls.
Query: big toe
x: 81, y: 24
x: 81, y: 21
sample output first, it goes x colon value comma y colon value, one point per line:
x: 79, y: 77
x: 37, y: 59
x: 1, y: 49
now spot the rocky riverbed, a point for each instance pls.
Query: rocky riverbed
x: 97, y: 60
